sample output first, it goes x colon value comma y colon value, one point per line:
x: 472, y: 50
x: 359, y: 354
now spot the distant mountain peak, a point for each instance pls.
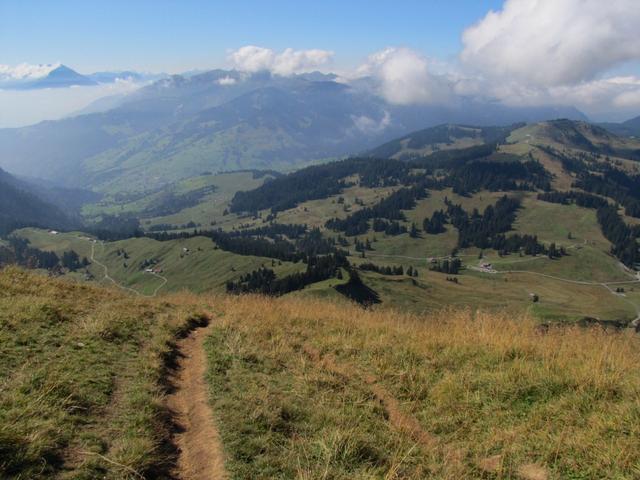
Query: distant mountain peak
x: 64, y: 76
x: 62, y: 69
x: 59, y: 77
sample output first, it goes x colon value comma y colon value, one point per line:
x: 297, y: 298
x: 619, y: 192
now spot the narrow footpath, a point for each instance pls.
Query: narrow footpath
x: 197, y: 438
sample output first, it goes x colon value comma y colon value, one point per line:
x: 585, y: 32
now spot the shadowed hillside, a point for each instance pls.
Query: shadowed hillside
x: 19, y: 207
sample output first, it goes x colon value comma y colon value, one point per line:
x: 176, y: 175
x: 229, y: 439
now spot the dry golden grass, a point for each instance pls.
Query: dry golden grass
x: 81, y: 372
x: 307, y: 389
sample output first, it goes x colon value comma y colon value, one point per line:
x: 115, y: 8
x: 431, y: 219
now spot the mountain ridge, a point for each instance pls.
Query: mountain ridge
x: 630, y: 128
x: 226, y: 120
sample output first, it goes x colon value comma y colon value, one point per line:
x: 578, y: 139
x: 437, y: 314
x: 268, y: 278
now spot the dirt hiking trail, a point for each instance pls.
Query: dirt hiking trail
x: 197, y: 438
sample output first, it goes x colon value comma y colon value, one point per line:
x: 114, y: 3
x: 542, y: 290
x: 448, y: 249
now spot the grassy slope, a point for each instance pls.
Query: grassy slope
x: 209, y: 269
x: 80, y: 368
x: 429, y: 149
x: 587, y: 262
x: 307, y: 389
x: 558, y: 300
x: 211, y: 207
x: 201, y: 269
x: 316, y: 212
x: 304, y: 388
x: 155, y: 159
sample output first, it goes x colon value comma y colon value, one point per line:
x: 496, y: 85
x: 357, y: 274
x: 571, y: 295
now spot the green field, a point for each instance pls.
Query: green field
x: 210, y: 208
x: 201, y: 267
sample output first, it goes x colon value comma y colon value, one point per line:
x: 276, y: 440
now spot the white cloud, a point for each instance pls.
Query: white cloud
x: 225, y: 81
x: 610, y: 97
x: 403, y: 77
x: 553, y: 42
x: 24, y: 71
x: 369, y: 125
x: 630, y: 99
x: 251, y: 58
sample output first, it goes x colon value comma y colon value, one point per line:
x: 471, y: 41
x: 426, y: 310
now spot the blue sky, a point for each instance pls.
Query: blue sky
x: 582, y: 53
x: 165, y: 35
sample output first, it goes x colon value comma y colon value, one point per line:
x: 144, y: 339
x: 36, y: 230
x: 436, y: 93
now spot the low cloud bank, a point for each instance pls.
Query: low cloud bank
x: 402, y: 76
x: 24, y: 71
x: 25, y: 107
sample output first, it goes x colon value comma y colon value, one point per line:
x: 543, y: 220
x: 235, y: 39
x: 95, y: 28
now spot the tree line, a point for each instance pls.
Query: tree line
x: 116, y: 227
x: 264, y: 280
x: 389, y: 208
x: 573, y: 197
x: 615, y: 184
x: 623, y: 238
x: 488, y: 229
x: 318, y: 181
x: 449, y: 266
x: 388, y: 270
x: 272, y: 230
x: 498, y: 176
x: 19, y: 252
x: 308, y: 245
x: 435, y: 224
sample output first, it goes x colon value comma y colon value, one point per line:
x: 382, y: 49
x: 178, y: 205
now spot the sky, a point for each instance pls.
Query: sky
x: 584, y: 53
x: 173, y: 36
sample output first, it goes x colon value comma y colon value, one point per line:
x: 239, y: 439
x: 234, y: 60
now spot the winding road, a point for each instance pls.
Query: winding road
x: 107, y: 277
x: 606, y: 285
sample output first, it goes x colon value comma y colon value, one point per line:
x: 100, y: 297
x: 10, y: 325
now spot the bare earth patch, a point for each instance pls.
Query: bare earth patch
x: 531, y: 471
x: 491, y: 464
x: 397, y: 417
x: 201, y: 454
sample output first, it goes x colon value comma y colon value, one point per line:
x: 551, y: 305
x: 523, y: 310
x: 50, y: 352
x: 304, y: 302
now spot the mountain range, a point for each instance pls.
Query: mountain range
x: 223, y: 120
